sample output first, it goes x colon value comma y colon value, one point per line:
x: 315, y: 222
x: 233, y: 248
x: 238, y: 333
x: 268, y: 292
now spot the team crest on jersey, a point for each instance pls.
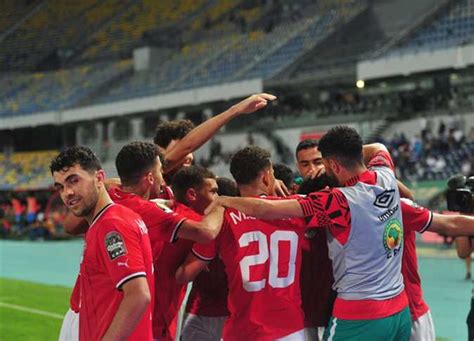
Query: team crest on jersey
x: 392, y: 237
x: 114, y: 245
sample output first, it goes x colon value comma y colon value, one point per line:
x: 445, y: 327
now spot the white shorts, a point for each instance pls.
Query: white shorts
x: 202, y: 328
x: 423, y: 328
x: 297, y: 336
x: 70, y: 327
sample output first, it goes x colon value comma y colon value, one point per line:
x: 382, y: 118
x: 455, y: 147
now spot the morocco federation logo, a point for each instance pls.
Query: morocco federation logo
x: 393, y: 236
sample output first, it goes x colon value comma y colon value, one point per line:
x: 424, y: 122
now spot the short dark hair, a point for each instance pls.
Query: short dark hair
x: 316, y: 184
x: 227, y: 187
x: 171, y: 130
x: 284, y: 173
x: 247, y: 163
x: 134, y: 160
x: 344, y: 144
x: 189, y: 177
x: 306, y: 144
x: 76, y: 155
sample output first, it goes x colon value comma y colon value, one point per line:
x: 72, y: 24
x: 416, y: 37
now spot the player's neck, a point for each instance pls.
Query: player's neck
x: 138, y: 190
x: 252, y: 190
x: 104, y: 200
x: 347, y: 175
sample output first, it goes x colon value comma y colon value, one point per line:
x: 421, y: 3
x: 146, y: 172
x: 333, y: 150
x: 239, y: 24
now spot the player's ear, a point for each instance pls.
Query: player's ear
x: 149, y: 178
x: 335, y: 166
x: 100, y: 175
x: 191, y: 195
x: 266, y: 177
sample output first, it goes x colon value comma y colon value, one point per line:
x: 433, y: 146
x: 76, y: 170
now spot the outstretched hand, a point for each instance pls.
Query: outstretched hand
x: 253, y: 103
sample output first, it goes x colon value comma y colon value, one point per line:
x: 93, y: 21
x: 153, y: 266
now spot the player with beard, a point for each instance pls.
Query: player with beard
x: 139, y: 167
x: 116, y: 281
x: 262, y: 260
x: 415, y: 219
x: 195, y: 188
x: 365, y: 251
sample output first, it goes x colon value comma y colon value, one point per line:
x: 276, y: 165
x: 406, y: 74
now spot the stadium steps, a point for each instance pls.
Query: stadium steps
x: 104, y: 88
x: 378, y: 131
x: 20, y: 22
x: 281, y: 42
x: 307, y: 66
x: 81, y: 46
x: 204, y: 64
x: 436, y: 8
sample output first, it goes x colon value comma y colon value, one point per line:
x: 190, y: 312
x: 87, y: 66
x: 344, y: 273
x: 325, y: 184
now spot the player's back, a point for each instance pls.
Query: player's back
x: 262, y: 262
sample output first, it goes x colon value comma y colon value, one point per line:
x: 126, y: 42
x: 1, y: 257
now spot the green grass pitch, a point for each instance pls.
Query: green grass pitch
x: 16, y: 324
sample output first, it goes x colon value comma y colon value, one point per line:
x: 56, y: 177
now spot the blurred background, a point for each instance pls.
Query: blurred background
x: 103, y: 73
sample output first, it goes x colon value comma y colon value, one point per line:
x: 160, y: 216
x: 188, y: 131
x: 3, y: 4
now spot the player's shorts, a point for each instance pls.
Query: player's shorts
x: 202, y: 328
x: 70, y: 327
x: 423, y: 328
x: 396, y: 327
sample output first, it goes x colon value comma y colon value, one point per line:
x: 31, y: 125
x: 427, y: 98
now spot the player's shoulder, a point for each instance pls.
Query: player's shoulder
x: 119, y: 215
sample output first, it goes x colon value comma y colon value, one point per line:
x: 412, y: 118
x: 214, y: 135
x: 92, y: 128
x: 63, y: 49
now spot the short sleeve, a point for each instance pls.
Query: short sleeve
x: 120, y: 248
x: 415, y: 217
x: 163, y: 224
x: 206, y: 252
x: 381, y: 159
x: 326, y: 208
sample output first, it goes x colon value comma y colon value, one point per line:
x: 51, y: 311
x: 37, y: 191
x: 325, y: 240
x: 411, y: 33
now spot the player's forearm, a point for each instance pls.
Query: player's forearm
x: 453, y: 225
x: 128, y: 315
x: 263, y: 209
x: 211, y: 225
x: 197, y: 137
x: 188, y: 272
x: 370, y: 150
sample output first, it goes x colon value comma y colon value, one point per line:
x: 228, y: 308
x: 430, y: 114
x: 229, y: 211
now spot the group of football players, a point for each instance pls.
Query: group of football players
x: 330, y: 258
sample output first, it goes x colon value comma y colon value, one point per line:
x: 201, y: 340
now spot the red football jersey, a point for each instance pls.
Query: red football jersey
x: 415, y: 218
x: 162, y: 227
x: 116, y: 250
x: 169, y: 294
x: 262, y: 262
x: 75, y: 300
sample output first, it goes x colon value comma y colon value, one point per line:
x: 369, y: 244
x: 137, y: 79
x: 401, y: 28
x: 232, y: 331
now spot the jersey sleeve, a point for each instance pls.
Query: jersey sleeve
x: 163, y: 224
x: 381, y: 159
x: 119, y: 245
x: 206, y: 252
x: 415, y: 217
x: 326, y: 208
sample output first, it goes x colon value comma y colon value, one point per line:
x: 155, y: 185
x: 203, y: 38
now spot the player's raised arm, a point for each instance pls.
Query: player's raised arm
x: 371, y: 150
x: 264, y: 209
x: 202, y: 133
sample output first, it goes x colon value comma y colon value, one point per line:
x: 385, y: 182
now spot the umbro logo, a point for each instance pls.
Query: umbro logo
x: 385, y: 199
